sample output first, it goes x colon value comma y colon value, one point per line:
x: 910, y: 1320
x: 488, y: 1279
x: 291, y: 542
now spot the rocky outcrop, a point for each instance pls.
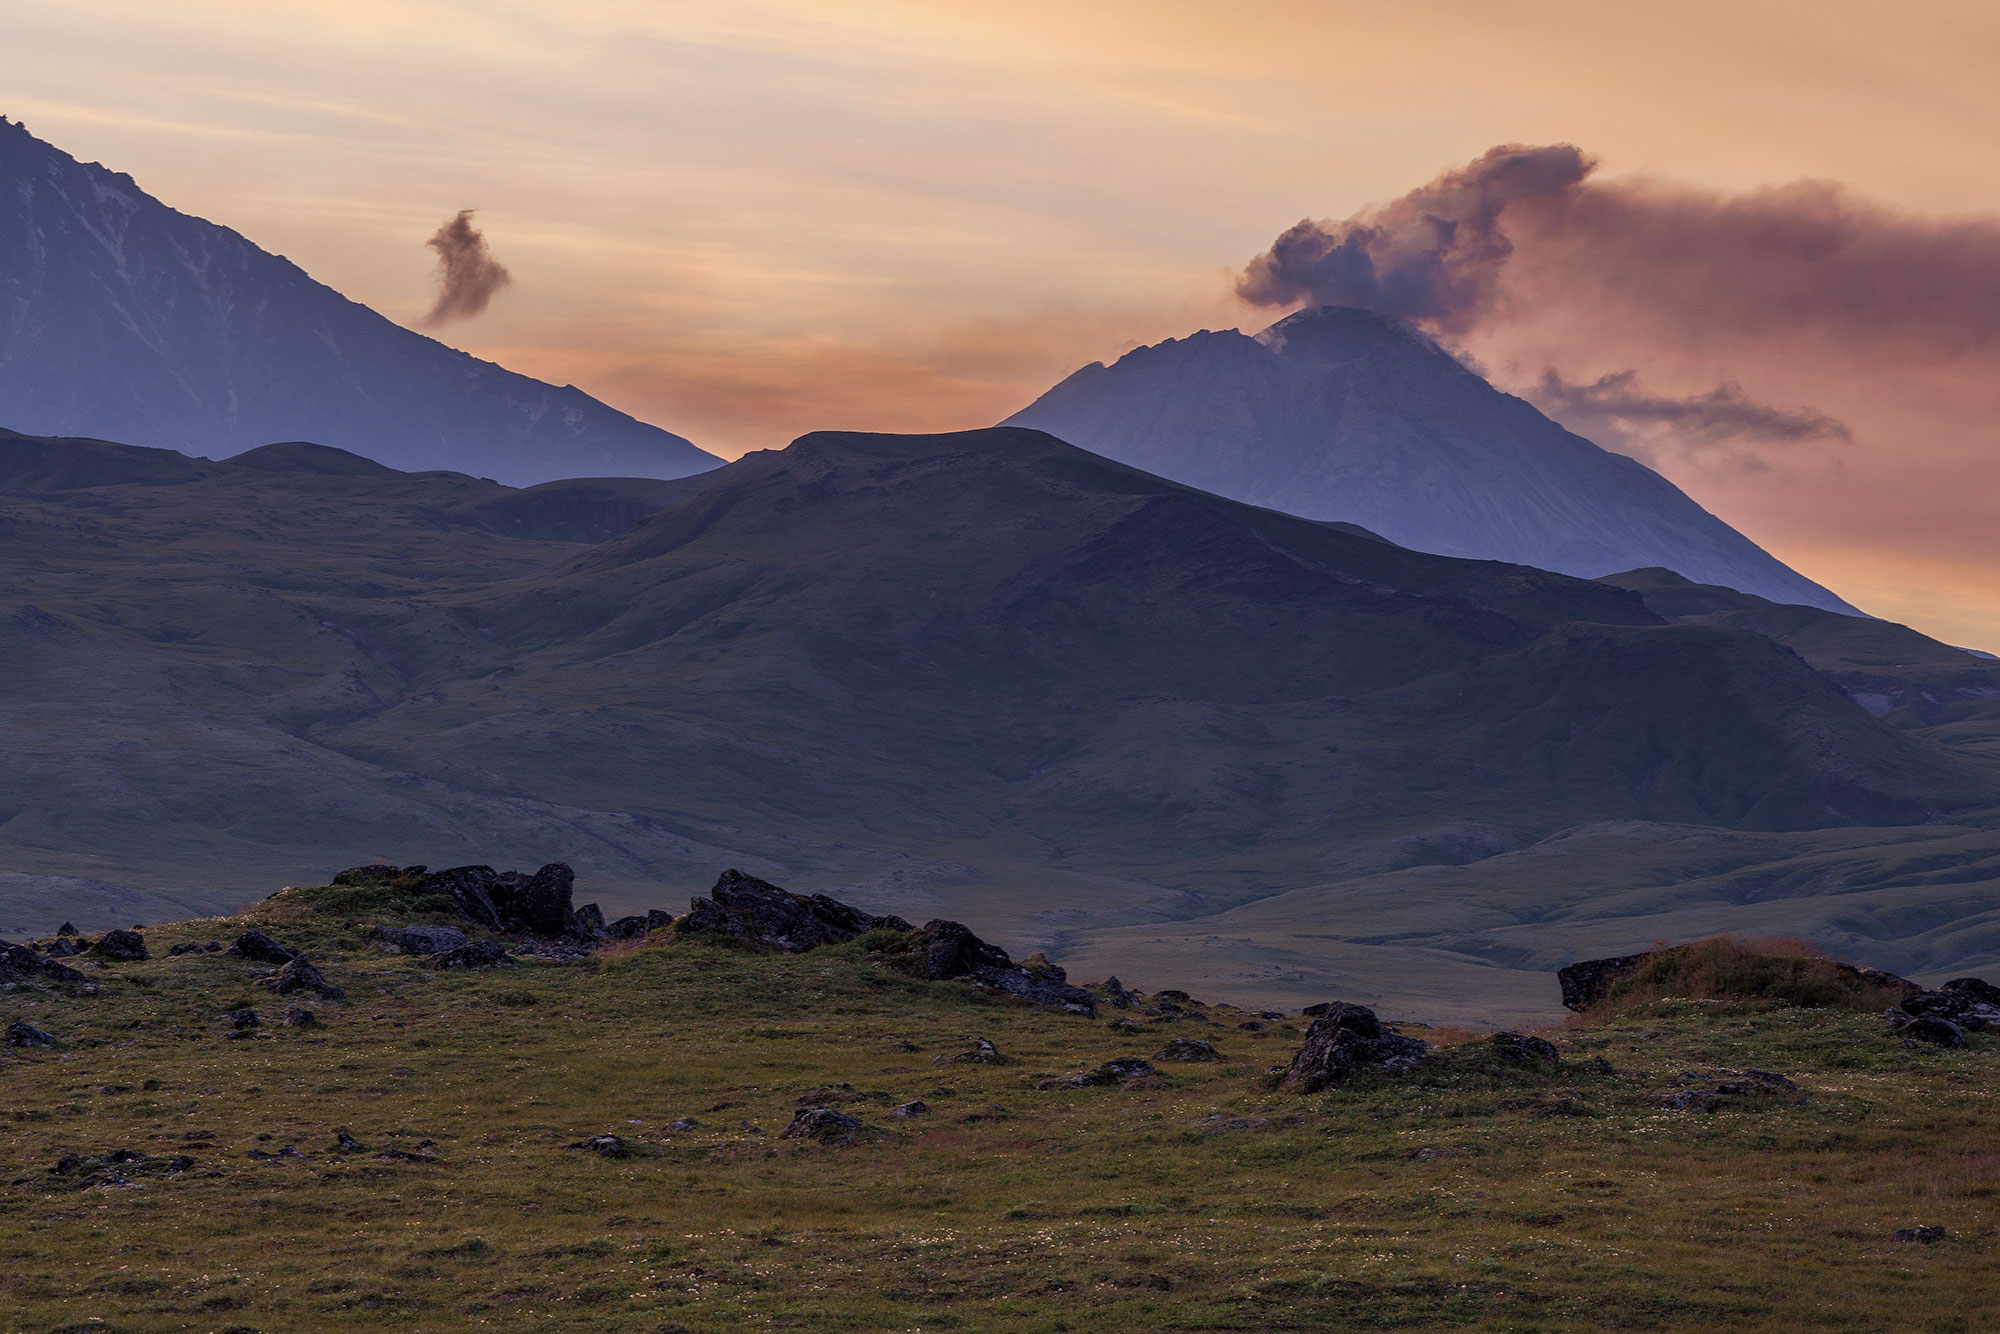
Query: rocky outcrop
x: 1588, y: 982
x: 21, y: 1033
x: 941, y: 950
x: 1346, y: 1039
x: 1524, y: 1049
x: 420, y: 940
x: 757, y: 911
x: 539, y: 905
x: 123, y: 946
x: 1970, y: 1004
x: 299, y: 975
x: 638, y: 926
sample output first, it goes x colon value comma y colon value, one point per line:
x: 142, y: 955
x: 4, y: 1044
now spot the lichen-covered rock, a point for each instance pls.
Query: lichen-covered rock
x: 1524, y: 1049
x: 21, y: 1033
x: 475, y: 954
x: 1189, y: 1049
x: 824, y: 1125
x: 1344, y: 1039
x: 758, y: 911
x: 419, y: 940
x: 255, y: 944
x: 299, y: 975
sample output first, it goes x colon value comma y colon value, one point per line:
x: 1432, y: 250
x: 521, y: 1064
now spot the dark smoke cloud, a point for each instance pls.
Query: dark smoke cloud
x: 1524, y: 229
x: 1724, y: 414
x: 468, y: 275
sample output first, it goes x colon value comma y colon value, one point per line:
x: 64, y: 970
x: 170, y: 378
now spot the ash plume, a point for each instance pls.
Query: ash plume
x: 1526, y: 230
x: 1723, y: 414
x: 468, y: 275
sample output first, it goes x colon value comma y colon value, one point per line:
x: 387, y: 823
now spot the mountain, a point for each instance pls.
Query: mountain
x: 987, y: 676
x: 1338, y: 413
x: 125, y: 320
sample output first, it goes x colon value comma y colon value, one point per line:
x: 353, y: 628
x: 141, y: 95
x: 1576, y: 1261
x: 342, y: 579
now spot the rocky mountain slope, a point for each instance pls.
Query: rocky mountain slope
x: 986, y: 676
x: 125, y: 320
x: 1343, y: 414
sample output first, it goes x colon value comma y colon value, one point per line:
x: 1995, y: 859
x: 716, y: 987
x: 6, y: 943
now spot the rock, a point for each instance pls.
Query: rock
x: 1189, y: 1049
x: 757, y: 911
x: 245, y: 1018
x: 940, y: 950
x: 62, y: 947
x: 1174, y: 997
x: 124, y: 1156
x: 21, y: 1033
x: 1930, y: 1028
x: 685, y: 1123
x: 476, y: 954
x: 255, y: 944
x: 1121, y: 1070
x: 1690, y: 1100
x: 905, y: 1111
x: 417, y: 939
x: 983, y: 1053
x: 66, y: 929
x: 1924, y: 1235
x: 20, y: 964
x: 343, y: 1142
x: 1115, y: 992
x: 540, y: 905
x: 470, y: 889
x: 1127, y: 1027
x: 626, y: 928
x: 1523, y: 1049
x: 300, y: 975
x: 1588, y: 982
x: 1969, y: 1002
x: 825, y: 1125
x: 297, y: 1017
x: 179, y: 950
x: 1343, y: 1039
x: 591, y: 918
x: 68, y: 1163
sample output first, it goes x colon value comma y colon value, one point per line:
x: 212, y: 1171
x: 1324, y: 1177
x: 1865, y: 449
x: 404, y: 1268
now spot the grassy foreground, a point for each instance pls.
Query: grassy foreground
x: 1469, y: 1194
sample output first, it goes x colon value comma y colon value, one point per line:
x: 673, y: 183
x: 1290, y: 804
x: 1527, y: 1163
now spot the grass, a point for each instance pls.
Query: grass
x: 1780, y: 972
x: 1468, y: 1195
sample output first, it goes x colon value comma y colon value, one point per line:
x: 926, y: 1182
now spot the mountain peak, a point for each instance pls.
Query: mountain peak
x: 1331, y: 335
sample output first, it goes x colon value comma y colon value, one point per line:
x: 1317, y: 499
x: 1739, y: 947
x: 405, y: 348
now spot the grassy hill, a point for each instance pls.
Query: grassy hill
x: 1471, y: 1193
x: 985, y: 676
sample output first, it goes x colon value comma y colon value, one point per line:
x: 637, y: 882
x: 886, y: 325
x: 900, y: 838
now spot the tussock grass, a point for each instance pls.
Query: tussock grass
x: 1777, y: 971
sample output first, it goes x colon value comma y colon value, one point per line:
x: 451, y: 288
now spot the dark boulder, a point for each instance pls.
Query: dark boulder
x: 255, y: 944
x: 62, y: 947
x: 1968, y: 1002
x: 591, y: 918
x: 627, y: 928
x: 983, y: 1053
x: 124, y: 946
x: 1115, y: 992
x: 244, y: 1018
x: 1930, y: 1028
x: 1344, y: 1039
x: 189, y: 948
x: 940, y: 950
x: 67, y: 929
x: 477, y: 954
x: 824, y: 1125
x: 301, y: 976
x: 20, y: 964
x: 1524, y: 1049
x: 417, y: 939
x: 1189, y: 1049
x: 905, y: 1111
x: 540, y: 904
x: 21, y: 1033
x: 1587, y: 983
x: 757, y: 911
x: 471, y: 891
x: 1925, y: 1235
x: 297, y: 1017
x: 1122, y: 1070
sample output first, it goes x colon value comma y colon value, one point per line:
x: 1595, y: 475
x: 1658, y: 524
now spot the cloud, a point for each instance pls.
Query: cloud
x: 468, y: 275
x: 1723, y: 414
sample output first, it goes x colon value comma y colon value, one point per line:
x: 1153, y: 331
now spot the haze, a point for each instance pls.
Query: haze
x: 750, y: 220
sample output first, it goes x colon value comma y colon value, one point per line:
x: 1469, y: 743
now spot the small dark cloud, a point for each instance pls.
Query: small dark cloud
x: 1723, y: 415
x: 468, y: 275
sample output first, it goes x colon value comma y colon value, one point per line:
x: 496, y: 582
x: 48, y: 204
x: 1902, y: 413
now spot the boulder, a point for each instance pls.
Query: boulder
x: 471, y: 890
x: 1115, y: 992
x: 21, y: 1033
x: 626, y: 928
x: 1930, y: 1028
x: 124, y: 946
x: 189, y: 948
x: 300, y: 975
x: 297, y: 1017
x: 1925, y: 1235
x: 905, y: 1111
x: 983, y: 1053
x: 591, y: 918
x: 1189, y: 1049
x: 244, y: 1018
x: 1122, y: 1070
x: 254, y: 944
x: 757, y: 911
x: 477, y: 954
x: 62, y: 947
x: 1969, y: 1002
x: 67, y: 929
x: 824, y: 1125
x: 417, y: 939
x: 1346, y: 1038
x: 20, y: 964
x: 1588, y: 982
x: 942, y: 950
x: 1524, y: 1049
x: 540, y: 904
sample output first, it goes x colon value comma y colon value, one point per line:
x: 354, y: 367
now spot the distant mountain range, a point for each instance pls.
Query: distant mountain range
x: 125, y: 320
x: 987, y: 676
x: 1343, y: 414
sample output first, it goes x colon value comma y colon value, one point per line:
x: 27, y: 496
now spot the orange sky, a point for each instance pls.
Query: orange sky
x: 747, y: 220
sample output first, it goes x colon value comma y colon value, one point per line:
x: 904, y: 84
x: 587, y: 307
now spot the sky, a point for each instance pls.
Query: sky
x: 742, y: 221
